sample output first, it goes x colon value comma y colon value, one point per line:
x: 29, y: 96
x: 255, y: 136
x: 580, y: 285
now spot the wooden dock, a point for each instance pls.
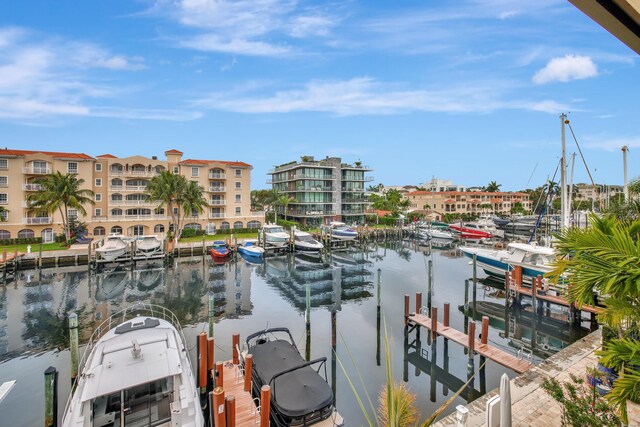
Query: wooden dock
x: 554, y: 299
x: 246, y: 412
x: 497, y: 355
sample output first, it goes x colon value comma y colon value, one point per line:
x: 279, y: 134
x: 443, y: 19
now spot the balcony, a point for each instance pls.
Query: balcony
x: 136, y: 173
x: 258, y: 213
x: 127, y: 188
x: 36, y: 171
x: 217, y: 215
x: 215, y: 202
x: 32, y: 187
x: 99, y: 218
x: 219, y: 189
x: 217, y: 176
x: 37, y: 220
x: 139, y: 203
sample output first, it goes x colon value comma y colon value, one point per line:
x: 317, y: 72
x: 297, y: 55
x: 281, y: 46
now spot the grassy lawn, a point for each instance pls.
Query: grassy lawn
x: 252, y: 235
x: 35, y: 247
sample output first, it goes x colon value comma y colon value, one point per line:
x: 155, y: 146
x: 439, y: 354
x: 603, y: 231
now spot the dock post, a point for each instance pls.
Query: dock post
x: 265, y: 405
x: 445, y: 320
x: 219, y: 414
x: 307, y: 316
x: 211, y: 313
x: 485, y: 330
x: 434, y: 362
x: 40, y: 254
x: 406, y: 311
x: 434, y: 323
x: 235, y: 341
x: 230, y: 409
x: 378, y: 319
x: 475, y: 276
x: 248, y: 372
x: 466, y: 293
x: 73, y: 345
x: 219, y: 375
x: 418, y: 302
x: 50, y: 397
x: 430, y: 283
x: 202, y: 346
x: 211, y: 362
x: 472, y: 338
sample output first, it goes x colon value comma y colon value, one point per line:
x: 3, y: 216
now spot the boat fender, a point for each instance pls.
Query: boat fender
x: 545, y: 347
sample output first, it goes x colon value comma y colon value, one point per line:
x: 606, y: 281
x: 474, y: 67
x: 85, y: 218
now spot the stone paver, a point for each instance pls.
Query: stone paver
x: 531, y: 405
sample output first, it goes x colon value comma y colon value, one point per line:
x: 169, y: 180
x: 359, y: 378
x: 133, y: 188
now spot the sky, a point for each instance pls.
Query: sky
x: 466, y: 90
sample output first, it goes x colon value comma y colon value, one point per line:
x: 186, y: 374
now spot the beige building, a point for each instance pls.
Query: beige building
x: 467, y: 202
x: 121, y: 205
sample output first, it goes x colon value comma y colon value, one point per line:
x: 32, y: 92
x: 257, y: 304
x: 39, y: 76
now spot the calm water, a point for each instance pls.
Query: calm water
x: 248, y: 297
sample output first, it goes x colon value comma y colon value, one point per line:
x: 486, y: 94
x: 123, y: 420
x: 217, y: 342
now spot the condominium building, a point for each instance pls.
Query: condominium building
x: 467, y: 202
x: 322, y: 190
x: 121, y: 205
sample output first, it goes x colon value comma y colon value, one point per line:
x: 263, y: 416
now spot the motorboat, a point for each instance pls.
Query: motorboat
x: 340, y: 231
x: 112, y: 247
x: 439, y: 234
x: 535, y: 260
x: 304, y: 242
x: 250, y: 248
x: 135, y: 371
x: 275, y: 235
x: 470, y: 231
x: 148, y: 245
x: 220, y: 250
x: 300, y: 396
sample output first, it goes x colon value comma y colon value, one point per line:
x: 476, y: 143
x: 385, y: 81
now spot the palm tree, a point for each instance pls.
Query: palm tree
x: 192, y: 200
x: 493, y: 187
x: 168, y: 189
x: 283, y: 200
x: 606, y: 258
x: 3, y: 213
x: 61, y: 192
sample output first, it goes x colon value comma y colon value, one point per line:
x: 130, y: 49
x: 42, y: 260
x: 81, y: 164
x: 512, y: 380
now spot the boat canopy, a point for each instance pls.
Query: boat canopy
x: 542, y: 250
x: 114, y: 366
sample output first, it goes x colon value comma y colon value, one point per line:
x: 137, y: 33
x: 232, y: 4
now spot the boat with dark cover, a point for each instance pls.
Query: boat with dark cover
x: 300, y: 396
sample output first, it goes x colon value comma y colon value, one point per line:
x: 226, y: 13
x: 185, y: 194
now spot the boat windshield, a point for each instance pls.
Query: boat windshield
x: 275, y: 230
x: 306, y: 239
x: 142, y: 405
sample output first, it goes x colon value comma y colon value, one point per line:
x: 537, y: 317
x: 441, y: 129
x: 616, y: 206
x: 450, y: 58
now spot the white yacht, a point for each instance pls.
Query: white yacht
x: 340, y: 230
x: 304, y: 242
x: 136, y: 373
x: 112, y: 247
x: 275, y: 235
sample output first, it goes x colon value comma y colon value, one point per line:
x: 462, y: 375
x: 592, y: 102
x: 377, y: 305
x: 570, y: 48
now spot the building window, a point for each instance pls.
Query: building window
x: 238, y: 210
x: 98, y: 182
x: 238, y: 198
x: 4, y: 164
x: 73, y: 214
x: 195, y: 171
x: 98, y: 212
x: 39, y: 167
x: 238, y: 172
x: 98, y: 197
x: 138, y: 230
x: 175, y: 211
x: 4, y: 181
x: 99, y: 231
x: 26, y: 234
x: 4, y: 198
x: 237, y: 224
x: 159, y: 228
x: 4, y: 215
x: 254, y: 224
x: 72, y: 167
x: 4, y: 234
x: 225, y: 225
x: 238, y: 185
x: 116, y: 229
x: 176, y: 170
x: 99, y: 168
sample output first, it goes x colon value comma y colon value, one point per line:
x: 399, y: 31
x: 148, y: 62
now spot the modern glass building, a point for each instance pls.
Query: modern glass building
x: 322, y: 190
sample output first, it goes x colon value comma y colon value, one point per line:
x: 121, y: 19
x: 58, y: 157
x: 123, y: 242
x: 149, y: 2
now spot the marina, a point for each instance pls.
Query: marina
x: 316, y: 297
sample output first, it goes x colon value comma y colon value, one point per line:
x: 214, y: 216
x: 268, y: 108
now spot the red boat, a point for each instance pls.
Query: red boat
x: 467, y: 231
x: 220, y: 250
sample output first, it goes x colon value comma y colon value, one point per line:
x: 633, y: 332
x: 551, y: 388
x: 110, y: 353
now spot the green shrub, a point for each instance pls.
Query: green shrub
x: 288, y: 224
x: 188, y: 232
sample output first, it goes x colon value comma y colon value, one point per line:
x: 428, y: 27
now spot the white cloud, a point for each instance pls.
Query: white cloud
x: 213, y: 43
x: 311, y: 25
x: 42, y: 78
x: 567, y: 68
x: 612, y: 144
x: 366, y: 96
x: 507, y: 14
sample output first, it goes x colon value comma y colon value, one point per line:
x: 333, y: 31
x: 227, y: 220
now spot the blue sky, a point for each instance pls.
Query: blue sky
x: 467, y: 90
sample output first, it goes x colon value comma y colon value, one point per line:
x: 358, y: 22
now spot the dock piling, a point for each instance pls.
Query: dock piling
x: 265, y: 405
x: 219, y: 414
x: 485, y: 330
x: 219, y: 375
x: 434, y: 323
x: 418, y: 302
x: 230, y: 408
x: 406, y: 309
x: 211, y: 361
x: 248, y: 372
x: 472, y: 338
x: 445, y: 321
x: 236, y: 343
x: 50, y: 397
x: 202, y: 361
x: 73, y: 345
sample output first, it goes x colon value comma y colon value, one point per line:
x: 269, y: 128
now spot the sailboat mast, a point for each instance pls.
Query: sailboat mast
x: 624, y: 165
x: 564, y: 211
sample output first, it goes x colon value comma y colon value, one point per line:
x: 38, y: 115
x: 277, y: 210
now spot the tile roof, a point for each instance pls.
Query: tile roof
x: 206, y: 162
x: 173, y: 152
x: 8, y: 152
x: 466, y: 193
x: 106, y: 156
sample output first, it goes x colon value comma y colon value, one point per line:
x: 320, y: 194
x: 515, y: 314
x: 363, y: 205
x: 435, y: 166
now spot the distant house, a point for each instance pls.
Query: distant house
x: 468, y: 202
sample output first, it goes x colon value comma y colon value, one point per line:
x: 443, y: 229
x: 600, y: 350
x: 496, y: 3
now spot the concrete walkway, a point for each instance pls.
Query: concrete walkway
x: 531, y: 405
